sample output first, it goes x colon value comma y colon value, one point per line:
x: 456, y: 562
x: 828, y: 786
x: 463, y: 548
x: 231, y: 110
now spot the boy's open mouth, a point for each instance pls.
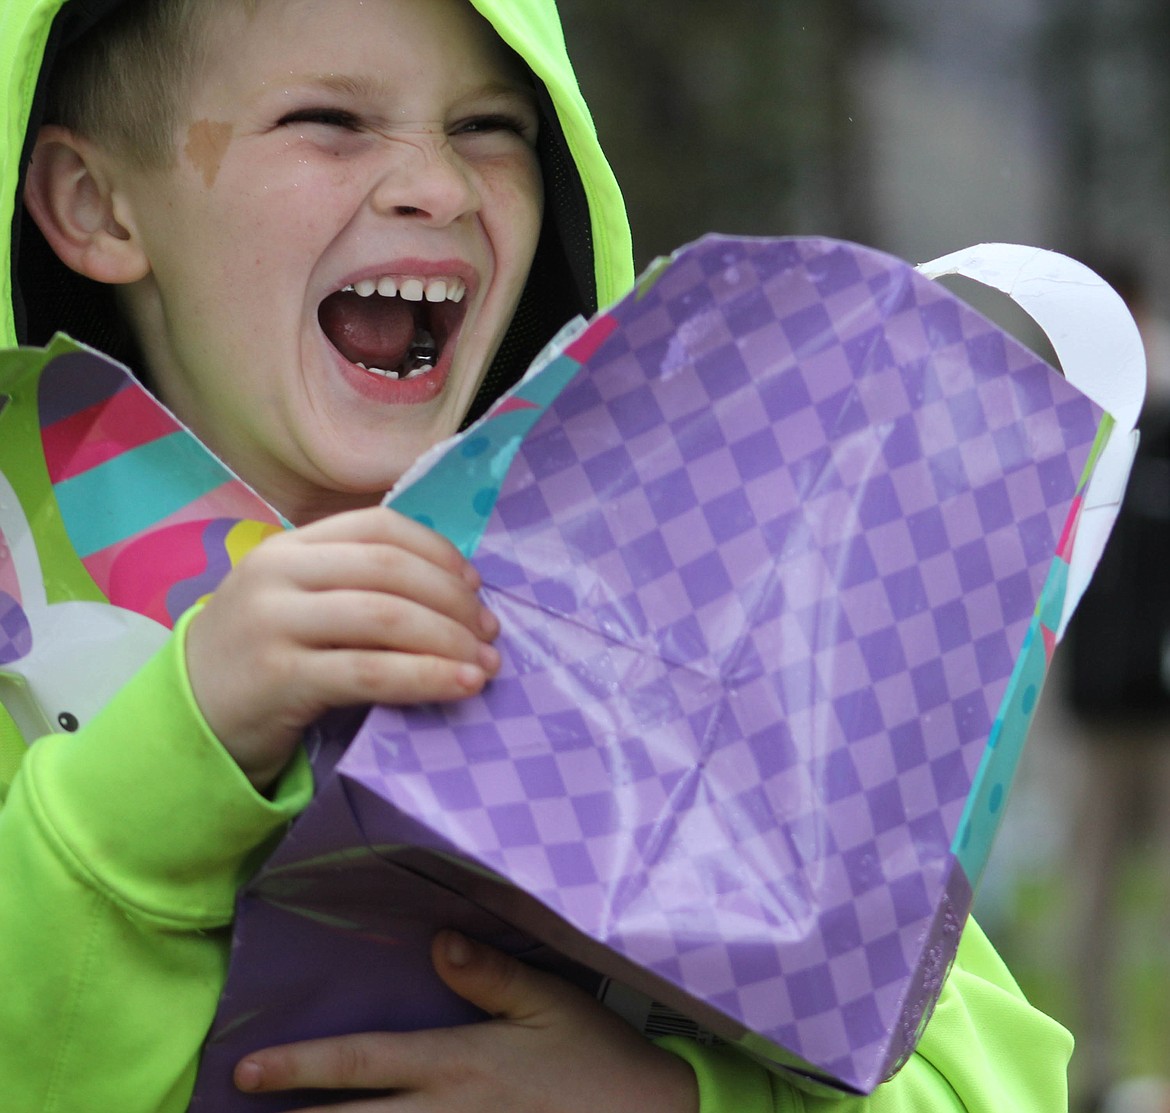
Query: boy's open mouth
x: 395, y: 326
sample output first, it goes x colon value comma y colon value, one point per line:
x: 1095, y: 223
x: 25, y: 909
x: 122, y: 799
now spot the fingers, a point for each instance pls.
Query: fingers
x: 356, y: 622
x: 374, y: 624
x: 348, y: 677
x: 365, y: 607
x: 380, y: 525
x: 557, y: 1046
x: 399, y: 563
x: 386, y: 575
x: 498, y: 984
x: 551, y: 1047
x: 363, y: 1061
x: 415, y: 1061
x: 356, y: 1062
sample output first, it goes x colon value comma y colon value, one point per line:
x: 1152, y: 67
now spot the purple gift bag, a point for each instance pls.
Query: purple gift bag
x: 781, y: 545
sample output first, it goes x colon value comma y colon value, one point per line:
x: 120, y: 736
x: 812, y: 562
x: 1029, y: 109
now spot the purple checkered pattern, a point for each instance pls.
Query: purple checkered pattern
x: 763, y: 572
x: 15, y: 634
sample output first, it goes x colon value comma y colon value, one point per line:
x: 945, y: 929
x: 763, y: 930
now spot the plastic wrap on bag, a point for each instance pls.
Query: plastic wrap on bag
x: 780, y: 545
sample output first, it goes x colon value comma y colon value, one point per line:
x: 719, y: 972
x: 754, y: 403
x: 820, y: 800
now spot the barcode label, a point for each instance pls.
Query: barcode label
x: 650, y: 1017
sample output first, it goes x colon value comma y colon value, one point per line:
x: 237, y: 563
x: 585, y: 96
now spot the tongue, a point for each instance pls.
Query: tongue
x: 375, y: 331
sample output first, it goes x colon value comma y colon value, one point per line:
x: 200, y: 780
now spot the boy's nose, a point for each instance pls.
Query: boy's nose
x: 426, y: 178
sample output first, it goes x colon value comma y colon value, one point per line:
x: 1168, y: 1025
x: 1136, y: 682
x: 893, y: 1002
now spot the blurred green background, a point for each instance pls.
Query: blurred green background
x: 920, y: 127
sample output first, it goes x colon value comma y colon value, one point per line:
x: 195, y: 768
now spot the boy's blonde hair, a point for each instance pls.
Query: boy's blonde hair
x: 124, y: 83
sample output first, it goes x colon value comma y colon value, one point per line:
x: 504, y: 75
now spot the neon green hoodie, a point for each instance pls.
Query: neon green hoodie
x: 122, y: 845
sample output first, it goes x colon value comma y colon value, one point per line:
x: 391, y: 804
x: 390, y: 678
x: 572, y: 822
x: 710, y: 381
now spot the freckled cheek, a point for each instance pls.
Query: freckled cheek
x: 517, y: 207
x: 289, y: 216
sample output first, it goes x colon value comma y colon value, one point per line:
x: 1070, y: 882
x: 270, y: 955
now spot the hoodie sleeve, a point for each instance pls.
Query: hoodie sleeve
x: 121, y: 849
x: 985, y: 1050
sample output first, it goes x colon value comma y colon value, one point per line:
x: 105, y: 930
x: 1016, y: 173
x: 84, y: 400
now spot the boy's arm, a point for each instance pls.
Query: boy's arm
x: 121, y: 848
x: 985, y: 1050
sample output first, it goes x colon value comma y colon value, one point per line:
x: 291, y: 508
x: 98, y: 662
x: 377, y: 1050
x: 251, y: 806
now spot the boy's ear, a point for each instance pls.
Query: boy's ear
x: 71, y: 195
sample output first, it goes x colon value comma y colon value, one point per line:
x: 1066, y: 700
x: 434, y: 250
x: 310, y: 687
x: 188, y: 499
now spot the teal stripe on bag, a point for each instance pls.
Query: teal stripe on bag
x: 131, y: 492
x: 457, y: 494
x: 987, y: 799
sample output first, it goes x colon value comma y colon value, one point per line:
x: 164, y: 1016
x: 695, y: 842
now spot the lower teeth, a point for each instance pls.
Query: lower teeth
x: 421, y: 357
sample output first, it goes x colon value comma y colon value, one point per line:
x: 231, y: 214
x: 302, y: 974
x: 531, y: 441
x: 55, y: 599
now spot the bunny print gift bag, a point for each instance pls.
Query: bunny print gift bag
x: 114, y: 519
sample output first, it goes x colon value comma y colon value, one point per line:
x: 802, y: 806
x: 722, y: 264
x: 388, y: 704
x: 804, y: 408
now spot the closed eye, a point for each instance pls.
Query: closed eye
x: 492, y: 123
x: 523, y: 126
x: 328, y: 117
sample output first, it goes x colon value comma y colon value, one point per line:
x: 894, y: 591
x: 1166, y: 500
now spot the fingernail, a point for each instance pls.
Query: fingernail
x: 471, y: 677
x: 489, y: 658
x: 458, y: 949
x: 471, y: 576
x: 249, y: 1075
x: 489, y: 625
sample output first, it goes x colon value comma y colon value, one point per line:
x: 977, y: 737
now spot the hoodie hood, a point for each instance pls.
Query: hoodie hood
x: 584, y: 260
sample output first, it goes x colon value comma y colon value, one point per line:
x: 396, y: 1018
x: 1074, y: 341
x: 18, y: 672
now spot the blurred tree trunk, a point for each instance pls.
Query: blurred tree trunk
x: 724, y: 115
x: 1109, y: 88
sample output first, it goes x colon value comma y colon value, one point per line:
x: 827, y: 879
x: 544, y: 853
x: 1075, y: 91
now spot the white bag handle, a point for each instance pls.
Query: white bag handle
x: 1100, y: 352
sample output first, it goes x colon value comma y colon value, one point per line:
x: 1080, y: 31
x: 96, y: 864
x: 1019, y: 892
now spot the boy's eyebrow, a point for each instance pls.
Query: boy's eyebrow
x: 372, y: 88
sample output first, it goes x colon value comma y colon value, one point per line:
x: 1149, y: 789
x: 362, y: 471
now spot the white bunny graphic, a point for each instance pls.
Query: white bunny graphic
x: 60, y: 662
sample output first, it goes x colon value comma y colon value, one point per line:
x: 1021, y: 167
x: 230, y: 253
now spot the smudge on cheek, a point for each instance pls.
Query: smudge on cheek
x: 206, y: 143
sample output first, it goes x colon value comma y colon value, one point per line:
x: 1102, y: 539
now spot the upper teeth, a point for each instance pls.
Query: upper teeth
x: 411, y: 289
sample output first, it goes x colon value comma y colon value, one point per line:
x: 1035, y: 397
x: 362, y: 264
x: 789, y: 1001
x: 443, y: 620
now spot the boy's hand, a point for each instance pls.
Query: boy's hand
x: 364, y: 607
x: 551, y: 1049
